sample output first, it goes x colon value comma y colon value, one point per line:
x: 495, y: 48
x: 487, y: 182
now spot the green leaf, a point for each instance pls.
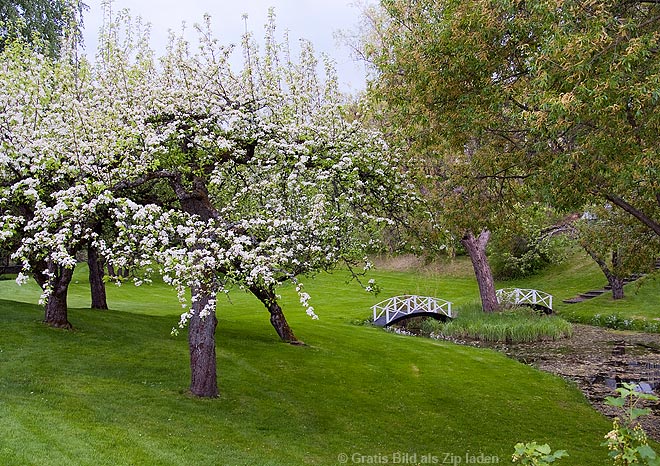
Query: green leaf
x: 646, y: 452
x: 545, y: 449
x: 637, y: 412
x: 519, y: 448
x: 647, y: 396
x: 619, y: 402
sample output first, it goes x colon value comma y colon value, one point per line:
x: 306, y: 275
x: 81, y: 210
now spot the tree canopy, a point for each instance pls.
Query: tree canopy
x: 594, y: 104
x: 444, y: 77
x: 510, y: 102
x: 42, y: 23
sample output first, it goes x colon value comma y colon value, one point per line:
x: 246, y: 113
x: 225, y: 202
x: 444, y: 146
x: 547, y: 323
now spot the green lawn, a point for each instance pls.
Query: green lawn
x: 114, y: 390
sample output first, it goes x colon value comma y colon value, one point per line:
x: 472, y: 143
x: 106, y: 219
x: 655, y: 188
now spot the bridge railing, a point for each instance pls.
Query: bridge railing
x: 524, y: 296
x: 399, y: 306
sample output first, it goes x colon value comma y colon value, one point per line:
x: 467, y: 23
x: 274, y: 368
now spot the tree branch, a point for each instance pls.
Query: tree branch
x: 638, y: 214
x: 156, y: 175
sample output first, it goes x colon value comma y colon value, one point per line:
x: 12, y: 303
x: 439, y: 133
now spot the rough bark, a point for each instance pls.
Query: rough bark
x: 269, y: 299
x: 96, y: 283
x: 201, y: 331
x: 617, y: 288
x: 476, y: 249
x: 56, y: 309
x: 201, y: 343
x: 615, y: 281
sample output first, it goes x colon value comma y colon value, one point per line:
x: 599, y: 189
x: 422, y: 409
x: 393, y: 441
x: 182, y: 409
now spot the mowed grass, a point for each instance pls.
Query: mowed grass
x: 113, y: 391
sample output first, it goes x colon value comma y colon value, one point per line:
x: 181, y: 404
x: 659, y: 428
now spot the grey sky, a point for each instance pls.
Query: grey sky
x: 314, y: 20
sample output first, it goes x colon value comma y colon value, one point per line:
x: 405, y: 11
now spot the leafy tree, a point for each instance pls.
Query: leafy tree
x: 554, y: 99
x: 43, y: 23
x: 619, y: 244
x: 592, y: 104
x: 453, y: 111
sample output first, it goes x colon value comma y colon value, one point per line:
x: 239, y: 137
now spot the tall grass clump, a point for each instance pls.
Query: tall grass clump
x: 516, y: 325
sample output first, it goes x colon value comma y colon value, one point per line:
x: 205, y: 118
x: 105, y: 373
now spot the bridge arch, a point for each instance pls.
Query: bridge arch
x: 398, y: 308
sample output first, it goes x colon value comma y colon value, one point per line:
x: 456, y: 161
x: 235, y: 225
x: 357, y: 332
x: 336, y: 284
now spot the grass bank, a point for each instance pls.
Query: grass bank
x: 113, y: 392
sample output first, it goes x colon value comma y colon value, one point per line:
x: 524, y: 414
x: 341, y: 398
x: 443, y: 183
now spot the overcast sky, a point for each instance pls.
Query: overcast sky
x: 314, y: 20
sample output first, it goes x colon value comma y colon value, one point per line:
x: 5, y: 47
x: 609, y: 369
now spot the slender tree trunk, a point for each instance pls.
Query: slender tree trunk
x: 96, y: 283
x: 615, y: 282
x: 476, y: 249
x: 269, y: 299
x: 56, y: 310
x: 201, y: 343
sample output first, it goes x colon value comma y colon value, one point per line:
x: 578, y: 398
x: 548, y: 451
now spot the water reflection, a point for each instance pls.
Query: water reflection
x: 645, y: 375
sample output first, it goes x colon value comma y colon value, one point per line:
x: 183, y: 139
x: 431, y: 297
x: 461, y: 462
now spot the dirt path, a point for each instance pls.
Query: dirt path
x: 596, y: 359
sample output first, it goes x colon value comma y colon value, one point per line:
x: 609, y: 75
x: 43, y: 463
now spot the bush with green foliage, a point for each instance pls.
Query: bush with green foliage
x: 526, y: 246
x: 615, y: 321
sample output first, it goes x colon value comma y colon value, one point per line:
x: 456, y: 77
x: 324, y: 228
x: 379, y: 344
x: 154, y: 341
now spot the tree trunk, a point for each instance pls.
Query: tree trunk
x: 615, y: 282
x: 96, y: 283
x: 476, y: 249
x: 201, y: 343
x: 617, y: 287
x: 201, y: 329
x: 269, y: 299
x: 56, y: 314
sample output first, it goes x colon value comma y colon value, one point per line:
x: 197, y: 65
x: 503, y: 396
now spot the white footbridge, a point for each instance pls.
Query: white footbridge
x: 536, y: 299
x: 395, y: 309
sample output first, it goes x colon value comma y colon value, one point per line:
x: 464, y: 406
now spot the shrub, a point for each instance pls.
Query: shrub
x: 533, y: 454
x: 527, y: 247
x: 615, y: 322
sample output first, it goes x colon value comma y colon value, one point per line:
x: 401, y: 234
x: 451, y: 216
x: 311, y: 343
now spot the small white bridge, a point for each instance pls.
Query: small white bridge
x: 398, y: 308
x: 536, y: 299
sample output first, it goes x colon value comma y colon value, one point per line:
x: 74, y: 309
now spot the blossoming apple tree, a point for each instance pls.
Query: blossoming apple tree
x: 48, y: 201
x: 252, y: 178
